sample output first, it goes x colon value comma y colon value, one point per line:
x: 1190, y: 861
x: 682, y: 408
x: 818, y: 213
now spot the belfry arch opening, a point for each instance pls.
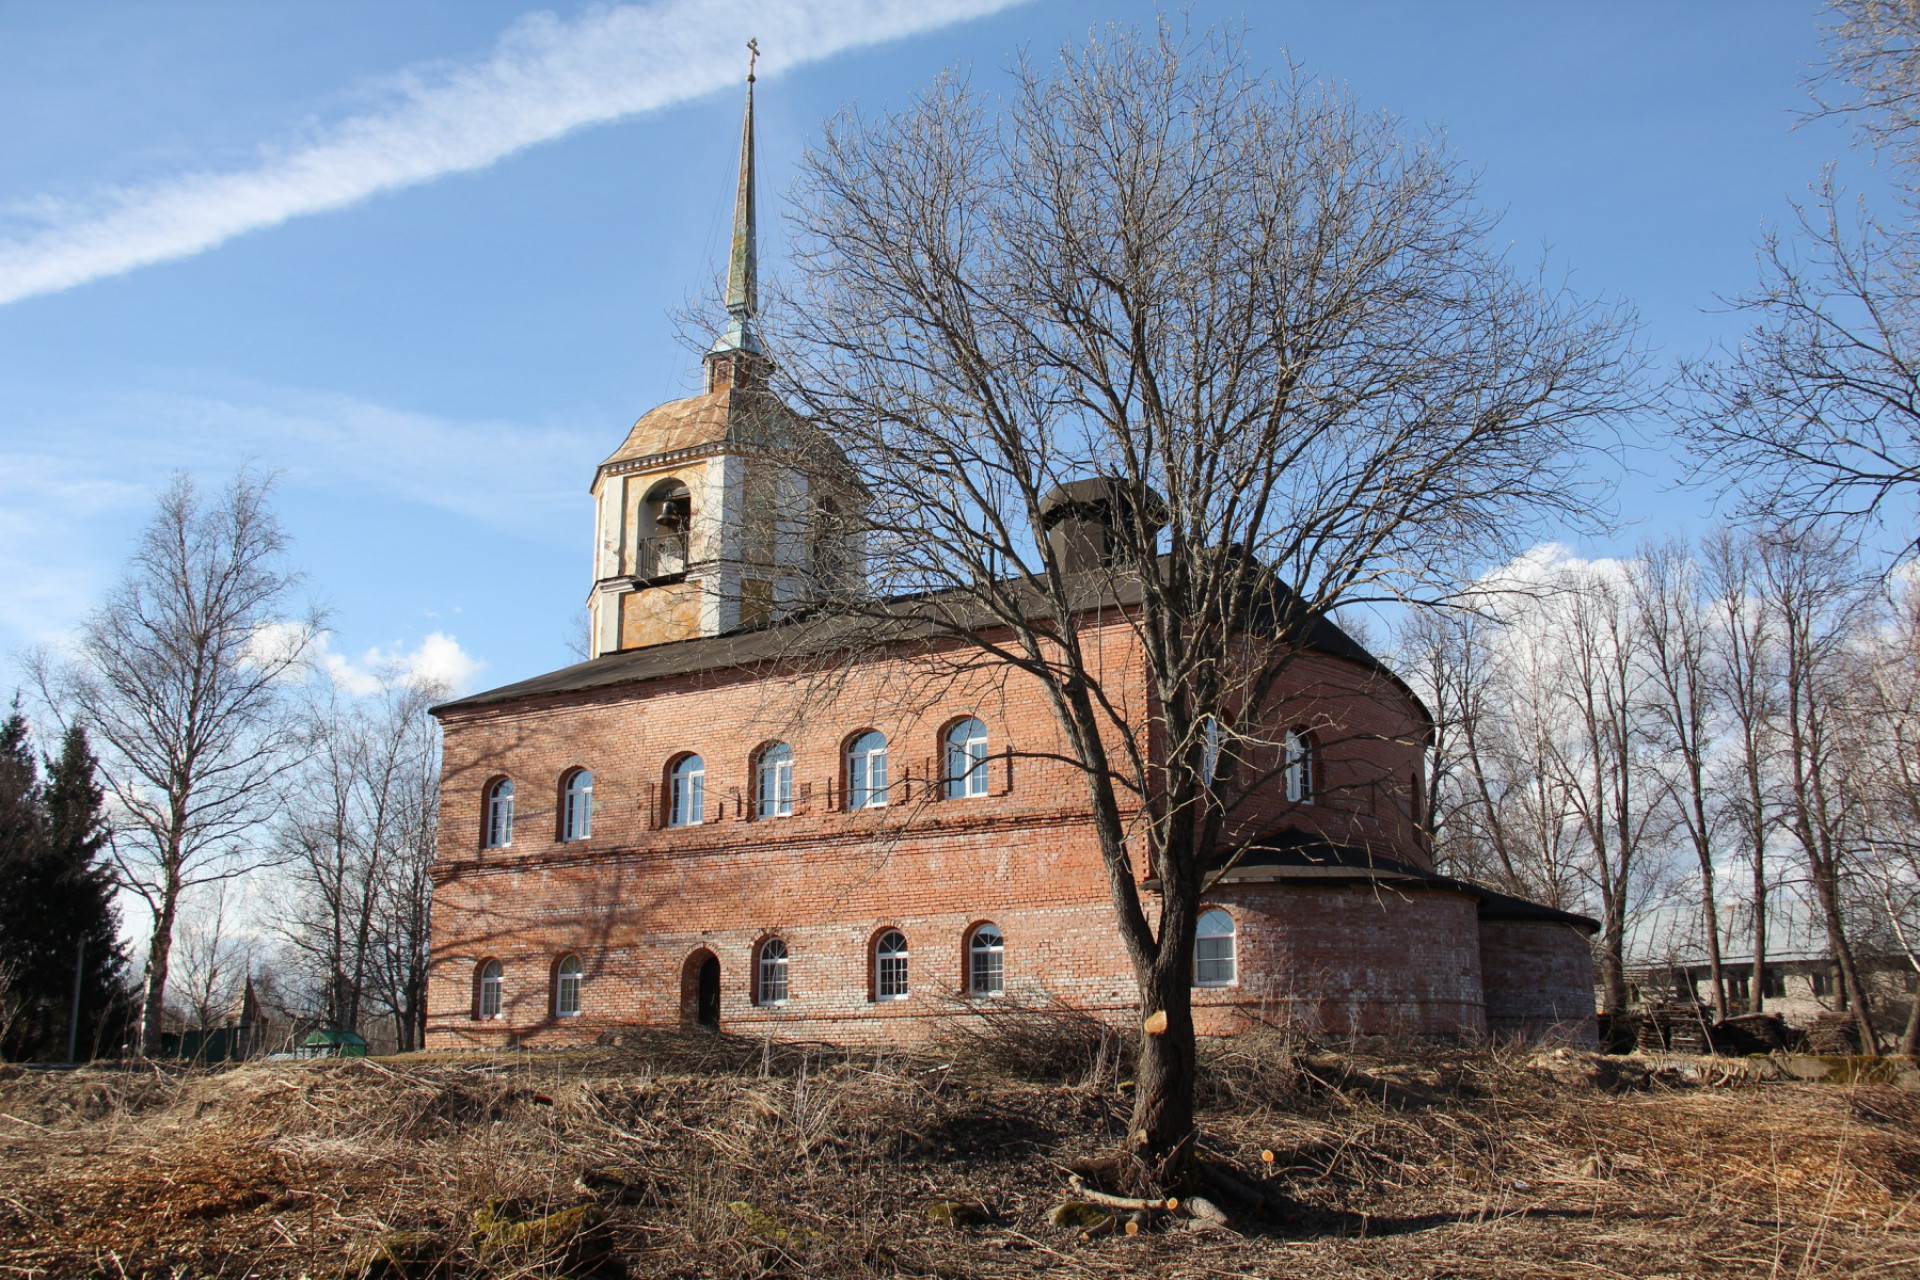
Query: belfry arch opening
x: 663, y: 547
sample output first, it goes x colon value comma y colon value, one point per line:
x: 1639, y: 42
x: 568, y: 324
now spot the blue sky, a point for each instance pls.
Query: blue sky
x: 420, y: 259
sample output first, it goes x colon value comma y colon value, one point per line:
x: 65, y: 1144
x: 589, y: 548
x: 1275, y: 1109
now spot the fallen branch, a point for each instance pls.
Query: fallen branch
x: 1085, y: 1192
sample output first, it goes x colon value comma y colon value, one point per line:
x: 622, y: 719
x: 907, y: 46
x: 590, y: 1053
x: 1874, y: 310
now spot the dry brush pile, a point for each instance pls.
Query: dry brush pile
x: 702, y: 1156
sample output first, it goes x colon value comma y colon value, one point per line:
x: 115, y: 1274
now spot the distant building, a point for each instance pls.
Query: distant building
x: 678, y: 831
x: 1667, y: 960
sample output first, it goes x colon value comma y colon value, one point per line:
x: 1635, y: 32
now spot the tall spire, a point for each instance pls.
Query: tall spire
x: 743, y: 267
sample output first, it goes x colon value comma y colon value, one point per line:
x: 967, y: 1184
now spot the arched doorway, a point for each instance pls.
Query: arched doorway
x: 707, y: 1014
x: 700, y: 990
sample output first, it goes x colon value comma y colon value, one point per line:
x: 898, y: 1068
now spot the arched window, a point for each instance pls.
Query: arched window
x: 1301, y: 766
x: 566, y: 987
x: 890, y: 966
x: 775, y: 781
x: 773, y: 972
x: 966, y: 760
x: 486, y: 1004
x: 576, y: 810
x: 499, y: 832
x: 867, y: 771
x: 986, y: 962
x: 828, y: 543
x: 689, y: 793
x: 1213, y: 950
x: 1209, y: 750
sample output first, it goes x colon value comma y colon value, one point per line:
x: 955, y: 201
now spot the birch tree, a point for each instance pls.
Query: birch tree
x: 181, y: 679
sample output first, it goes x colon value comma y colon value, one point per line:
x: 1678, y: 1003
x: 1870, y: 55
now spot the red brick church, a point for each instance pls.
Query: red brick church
x: 674, y: 832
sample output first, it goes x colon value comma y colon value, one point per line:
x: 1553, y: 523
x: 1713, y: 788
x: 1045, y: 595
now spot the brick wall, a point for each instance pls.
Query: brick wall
x: 1539, y: 979
x: 642, y: 903
x: 1350, y: 959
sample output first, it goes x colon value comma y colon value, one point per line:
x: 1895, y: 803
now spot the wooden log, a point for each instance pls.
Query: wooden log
x: 1085, y: 1192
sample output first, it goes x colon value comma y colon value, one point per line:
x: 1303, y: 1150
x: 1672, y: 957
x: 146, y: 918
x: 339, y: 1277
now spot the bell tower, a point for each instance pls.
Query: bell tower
x: 722, y: 510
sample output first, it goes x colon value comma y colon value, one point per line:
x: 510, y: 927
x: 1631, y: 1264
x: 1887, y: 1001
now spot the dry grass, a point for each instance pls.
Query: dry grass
x: 705, y: 1157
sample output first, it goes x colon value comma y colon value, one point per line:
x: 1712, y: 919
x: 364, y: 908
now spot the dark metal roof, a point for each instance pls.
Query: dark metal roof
x: 924, y: 618
x: 1292, y: 855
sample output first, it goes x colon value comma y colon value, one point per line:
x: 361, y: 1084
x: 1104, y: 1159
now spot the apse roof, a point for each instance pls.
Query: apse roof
x: 1292, y: 855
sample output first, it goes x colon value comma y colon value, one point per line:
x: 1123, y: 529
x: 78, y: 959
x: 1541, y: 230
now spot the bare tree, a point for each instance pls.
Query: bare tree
x: 1683, y: 708
x: 358, y: 842
x: 210, y: 961
x: 1603, y: 766
x: 1747, y: 679
x: 1882, y: 730
x: 1817, y: 412
x: 1270, y: 322
x: 1442, y: 654
x: 1872, y: 75
x: 181, y: 677
x: 1502, y: 810
x: 1811, y: 588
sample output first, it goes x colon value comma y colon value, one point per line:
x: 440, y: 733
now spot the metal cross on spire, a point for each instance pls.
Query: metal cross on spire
x: 743, y: 266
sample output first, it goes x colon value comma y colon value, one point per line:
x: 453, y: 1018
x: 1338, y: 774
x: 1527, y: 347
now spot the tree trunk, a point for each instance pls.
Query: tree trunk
x: 1613, y: 963
x: 1161, y: 1130
x: 1910, y: 1034
x: 1853, y: 995
x: 1757, y: 832
x: 1711, y: 912
x: 159, y: 952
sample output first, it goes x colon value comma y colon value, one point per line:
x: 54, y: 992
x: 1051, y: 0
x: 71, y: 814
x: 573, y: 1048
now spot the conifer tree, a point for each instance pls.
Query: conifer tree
x: 22, y: 845
x: 82, y: 884
x: 55, y: 893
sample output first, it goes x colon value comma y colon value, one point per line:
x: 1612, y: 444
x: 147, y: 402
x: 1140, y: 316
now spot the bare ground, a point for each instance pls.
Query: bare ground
x: 699, y: 1156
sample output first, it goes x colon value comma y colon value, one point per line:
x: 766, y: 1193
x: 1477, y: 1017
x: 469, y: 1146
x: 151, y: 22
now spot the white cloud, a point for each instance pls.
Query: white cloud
x: 546, y: 78
x: 437, y: 661
x: 528, y: 478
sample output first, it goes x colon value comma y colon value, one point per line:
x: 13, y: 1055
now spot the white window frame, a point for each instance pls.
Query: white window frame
x: 891, y: 975
x: 500, y: 814
x: 774, y: 792
x: 867, y: 771
x: 489, y: 1004
x: 577, y: 822
x: 992, y: 956
x: 773, y: 974
x: 966, y: 748
x: 567, y: 984
x: 1210, y: 930
x: 687, y: 784
x: 1300, y: 766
